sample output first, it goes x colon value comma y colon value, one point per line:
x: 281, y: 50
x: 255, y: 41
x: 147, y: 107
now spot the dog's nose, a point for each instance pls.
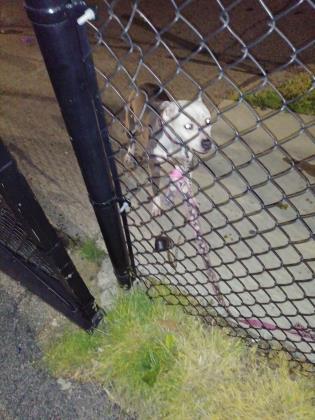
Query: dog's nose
x: 206, y: 144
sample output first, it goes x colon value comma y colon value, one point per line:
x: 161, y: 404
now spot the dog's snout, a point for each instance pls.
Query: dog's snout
x: 206, y: 144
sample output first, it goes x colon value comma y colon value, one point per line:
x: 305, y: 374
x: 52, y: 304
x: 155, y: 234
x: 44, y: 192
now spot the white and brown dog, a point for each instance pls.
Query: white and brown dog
x: 165, y: 130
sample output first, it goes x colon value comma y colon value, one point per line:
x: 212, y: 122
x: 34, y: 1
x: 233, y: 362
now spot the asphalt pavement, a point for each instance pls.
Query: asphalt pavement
x: 27, y: 390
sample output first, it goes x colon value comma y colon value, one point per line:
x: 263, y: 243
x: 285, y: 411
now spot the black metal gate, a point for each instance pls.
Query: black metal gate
x: 32, y: 253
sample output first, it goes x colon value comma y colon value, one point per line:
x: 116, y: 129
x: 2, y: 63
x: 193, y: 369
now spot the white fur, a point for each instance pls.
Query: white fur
x: 175, y: 118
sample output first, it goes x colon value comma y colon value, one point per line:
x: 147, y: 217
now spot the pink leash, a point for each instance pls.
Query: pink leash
x: 181, y: 183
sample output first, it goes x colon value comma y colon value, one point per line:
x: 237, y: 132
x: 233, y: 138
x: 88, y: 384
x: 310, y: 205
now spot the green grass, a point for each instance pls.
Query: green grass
x: 296, y: 89
x: 160, y: 363
x: 91, y: 252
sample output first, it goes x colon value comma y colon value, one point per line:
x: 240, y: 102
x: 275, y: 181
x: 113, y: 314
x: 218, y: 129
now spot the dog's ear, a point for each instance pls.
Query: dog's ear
x: 163, y: 105
x: 199, y: 97
x: 169, y: 110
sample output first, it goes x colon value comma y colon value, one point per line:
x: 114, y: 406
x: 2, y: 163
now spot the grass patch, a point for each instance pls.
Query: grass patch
x: 295, y: 90
x: 159, y: 363
x: 90, y: 251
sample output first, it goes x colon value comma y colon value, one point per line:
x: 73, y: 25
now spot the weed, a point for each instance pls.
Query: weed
x: 90, y: 251
x: 296, y: 91
x: 159, y: 363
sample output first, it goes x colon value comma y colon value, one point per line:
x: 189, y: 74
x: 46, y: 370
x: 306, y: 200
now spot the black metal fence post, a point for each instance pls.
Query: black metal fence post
x: 65, y: 48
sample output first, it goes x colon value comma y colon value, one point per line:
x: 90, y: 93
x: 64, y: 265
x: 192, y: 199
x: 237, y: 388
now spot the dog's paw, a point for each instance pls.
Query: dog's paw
x: 156, y: 207
x: 129, y: 160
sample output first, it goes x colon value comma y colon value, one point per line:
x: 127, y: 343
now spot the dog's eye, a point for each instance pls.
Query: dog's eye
x: 208, y: 121
x: 188, y: 126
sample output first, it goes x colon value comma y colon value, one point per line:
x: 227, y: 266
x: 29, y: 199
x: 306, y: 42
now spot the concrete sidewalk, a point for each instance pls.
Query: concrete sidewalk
x: 262, y: 243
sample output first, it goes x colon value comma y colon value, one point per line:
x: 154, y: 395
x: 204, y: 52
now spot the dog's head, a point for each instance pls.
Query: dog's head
x: 189, y: 123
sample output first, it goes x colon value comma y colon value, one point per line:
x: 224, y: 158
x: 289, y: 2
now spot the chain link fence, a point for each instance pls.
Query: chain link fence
x: 233, y: 241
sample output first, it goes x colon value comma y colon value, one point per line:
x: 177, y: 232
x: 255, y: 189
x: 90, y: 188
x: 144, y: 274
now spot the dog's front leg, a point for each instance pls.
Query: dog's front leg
x: 129, y: 159
x: 155, y: 171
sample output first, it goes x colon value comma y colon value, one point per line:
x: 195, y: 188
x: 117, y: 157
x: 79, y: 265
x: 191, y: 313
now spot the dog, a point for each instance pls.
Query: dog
x: 165, y: 130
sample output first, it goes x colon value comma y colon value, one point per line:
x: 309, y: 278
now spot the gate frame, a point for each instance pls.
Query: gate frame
x: 69, y: 296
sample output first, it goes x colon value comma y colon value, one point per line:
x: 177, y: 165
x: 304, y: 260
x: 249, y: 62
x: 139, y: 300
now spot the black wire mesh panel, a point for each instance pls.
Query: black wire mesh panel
x: 244, y: 255
x: 32, y: 253
x: 14, y: 237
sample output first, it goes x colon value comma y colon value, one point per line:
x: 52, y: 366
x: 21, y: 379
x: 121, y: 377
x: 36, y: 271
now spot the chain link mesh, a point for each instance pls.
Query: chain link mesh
x: 254, y: 192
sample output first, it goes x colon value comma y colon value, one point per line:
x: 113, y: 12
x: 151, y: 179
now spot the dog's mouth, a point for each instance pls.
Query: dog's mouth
x: 202, y: 152
x: 204, y: 147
